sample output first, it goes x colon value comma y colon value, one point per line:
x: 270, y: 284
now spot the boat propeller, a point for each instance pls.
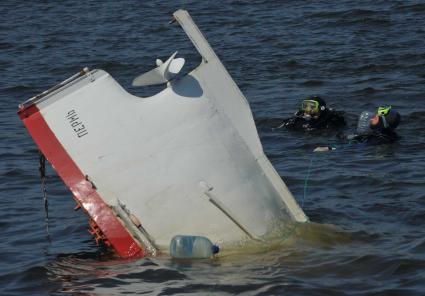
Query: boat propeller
x: 163, y: 73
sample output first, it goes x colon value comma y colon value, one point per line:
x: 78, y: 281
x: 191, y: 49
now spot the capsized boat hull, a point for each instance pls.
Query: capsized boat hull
x: 187, y: 160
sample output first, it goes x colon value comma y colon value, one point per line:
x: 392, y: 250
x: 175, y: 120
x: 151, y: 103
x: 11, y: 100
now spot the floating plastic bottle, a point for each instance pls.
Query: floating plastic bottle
x: 192, y: 247
x: 363, y: 125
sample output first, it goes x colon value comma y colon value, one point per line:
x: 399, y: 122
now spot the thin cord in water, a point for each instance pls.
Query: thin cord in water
x: 42, y: 170
x: 304, y: 197
x: 306, y: 180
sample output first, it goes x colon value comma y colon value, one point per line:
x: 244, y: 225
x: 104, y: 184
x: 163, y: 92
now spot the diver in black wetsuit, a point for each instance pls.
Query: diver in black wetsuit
x: 373, y: 129
x: 314, y: 115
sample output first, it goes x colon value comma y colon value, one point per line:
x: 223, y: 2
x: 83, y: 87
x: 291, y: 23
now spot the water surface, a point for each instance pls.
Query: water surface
x: 367, y: 204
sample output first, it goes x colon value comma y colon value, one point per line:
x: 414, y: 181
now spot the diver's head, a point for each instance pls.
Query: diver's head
x: 312, y: 107
x: 385, y: 119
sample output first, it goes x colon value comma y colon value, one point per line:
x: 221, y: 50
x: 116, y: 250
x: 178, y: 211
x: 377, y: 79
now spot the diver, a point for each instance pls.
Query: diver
x: 314, y: 115
x: 372, y: 129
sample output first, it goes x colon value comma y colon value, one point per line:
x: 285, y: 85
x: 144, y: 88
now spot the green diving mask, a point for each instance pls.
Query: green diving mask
x: 310, y: 106
x: 383, y: 111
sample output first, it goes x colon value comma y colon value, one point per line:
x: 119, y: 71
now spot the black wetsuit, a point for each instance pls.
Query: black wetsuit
x: 376, y: 137
x: 328, y: 119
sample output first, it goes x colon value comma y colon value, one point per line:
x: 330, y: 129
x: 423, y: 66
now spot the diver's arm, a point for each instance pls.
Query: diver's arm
x: 286, y: 122
x: 290, y: 122
x: 348, y: 139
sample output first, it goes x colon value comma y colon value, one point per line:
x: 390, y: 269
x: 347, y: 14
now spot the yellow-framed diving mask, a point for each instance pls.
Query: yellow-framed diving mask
x: 310, y: 106
x: 382, y: 111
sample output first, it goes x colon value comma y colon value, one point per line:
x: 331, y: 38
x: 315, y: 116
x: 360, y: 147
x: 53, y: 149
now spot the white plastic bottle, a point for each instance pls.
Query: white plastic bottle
x: 192, y: 247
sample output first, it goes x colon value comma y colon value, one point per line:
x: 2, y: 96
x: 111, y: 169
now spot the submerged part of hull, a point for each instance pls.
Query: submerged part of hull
x: 187, y: 160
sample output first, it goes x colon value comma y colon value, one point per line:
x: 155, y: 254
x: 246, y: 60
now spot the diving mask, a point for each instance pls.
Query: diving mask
x: 382, y: 111
x: 310, y: 106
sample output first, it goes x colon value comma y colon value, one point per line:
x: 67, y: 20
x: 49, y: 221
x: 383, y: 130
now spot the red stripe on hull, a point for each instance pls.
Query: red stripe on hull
x: 117, y: 235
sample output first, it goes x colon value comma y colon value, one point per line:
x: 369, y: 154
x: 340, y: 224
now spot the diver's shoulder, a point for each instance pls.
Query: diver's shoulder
x: 334, y: 112
x: 334, y: 118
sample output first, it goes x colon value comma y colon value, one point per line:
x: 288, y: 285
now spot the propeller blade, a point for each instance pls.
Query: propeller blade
x: 161, y: 74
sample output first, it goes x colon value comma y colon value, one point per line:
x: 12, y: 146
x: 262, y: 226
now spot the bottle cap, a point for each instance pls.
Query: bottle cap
x: 215, y: 249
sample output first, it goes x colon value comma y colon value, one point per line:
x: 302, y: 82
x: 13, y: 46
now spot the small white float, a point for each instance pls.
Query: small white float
x: 187, y: 160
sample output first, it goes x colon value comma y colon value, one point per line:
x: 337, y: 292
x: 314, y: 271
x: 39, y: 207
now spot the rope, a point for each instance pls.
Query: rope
x: 42, y: 170
x: 304, y: 197
x: 337, y: 147
x: 306, y: 180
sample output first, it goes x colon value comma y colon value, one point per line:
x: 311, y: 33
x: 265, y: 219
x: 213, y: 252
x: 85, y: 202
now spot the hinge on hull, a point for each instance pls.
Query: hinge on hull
x: 90, y: 76
x: 134, y: 226
x: 39, y: 97
x: 99, y: 237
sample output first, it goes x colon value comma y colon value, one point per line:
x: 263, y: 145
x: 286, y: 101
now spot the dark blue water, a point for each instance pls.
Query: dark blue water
x: 367, y: 204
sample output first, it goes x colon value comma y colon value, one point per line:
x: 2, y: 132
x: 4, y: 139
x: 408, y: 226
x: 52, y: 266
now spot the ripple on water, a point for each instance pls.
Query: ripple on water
x: 355, y: 55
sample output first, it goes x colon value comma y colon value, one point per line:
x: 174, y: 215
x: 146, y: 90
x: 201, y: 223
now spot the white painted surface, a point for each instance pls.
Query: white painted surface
x: 156, y: 154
